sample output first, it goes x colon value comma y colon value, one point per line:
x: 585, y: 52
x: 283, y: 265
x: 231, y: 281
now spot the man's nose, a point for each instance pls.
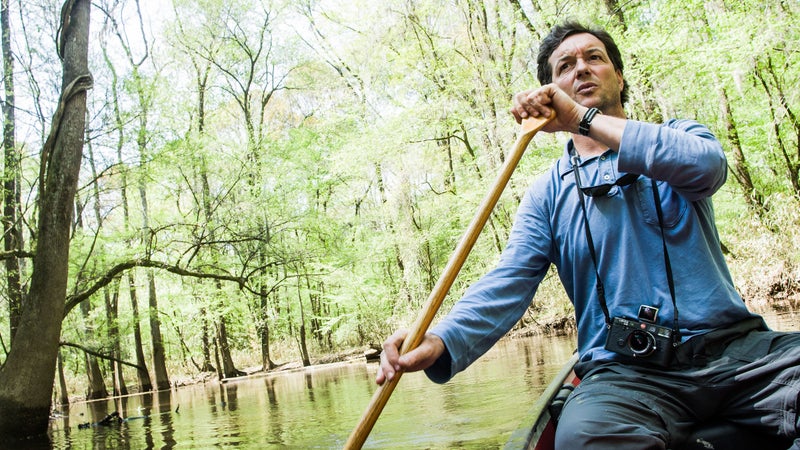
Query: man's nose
x: 581, y: 67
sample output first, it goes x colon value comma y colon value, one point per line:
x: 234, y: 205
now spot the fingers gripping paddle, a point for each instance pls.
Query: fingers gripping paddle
x: 529, y: 128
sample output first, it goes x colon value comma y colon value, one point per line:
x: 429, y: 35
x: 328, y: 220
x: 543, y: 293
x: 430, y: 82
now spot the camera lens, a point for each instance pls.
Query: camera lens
x: 641, y: 343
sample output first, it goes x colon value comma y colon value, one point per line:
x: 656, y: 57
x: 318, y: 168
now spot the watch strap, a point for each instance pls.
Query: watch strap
x: 586, y: 122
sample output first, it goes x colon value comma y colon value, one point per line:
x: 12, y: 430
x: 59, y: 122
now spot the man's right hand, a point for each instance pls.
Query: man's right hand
x: 422, y: 357
x: 541, y: 102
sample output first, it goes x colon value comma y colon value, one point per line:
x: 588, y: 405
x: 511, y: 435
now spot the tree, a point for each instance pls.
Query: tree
x: 142, y: 91
x: 118, y: 126
x: 201, y: 62
x: 305, y: 168
x: 12, y: 234
x: 26, y: 378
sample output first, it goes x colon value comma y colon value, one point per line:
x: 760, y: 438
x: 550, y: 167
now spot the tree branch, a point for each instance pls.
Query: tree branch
x: 99, y: 355
x: 15, y: 254
x: 75, y: 299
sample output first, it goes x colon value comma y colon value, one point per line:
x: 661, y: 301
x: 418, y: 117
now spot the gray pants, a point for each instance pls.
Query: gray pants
x: 752, y: 381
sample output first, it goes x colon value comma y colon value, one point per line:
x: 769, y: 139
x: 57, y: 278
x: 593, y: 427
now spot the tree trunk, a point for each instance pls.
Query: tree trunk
x: 110, y: 293
x: 303, y: 345
x: 202, y: 71
x: 266, y: 360
x: 263, y: 331
x: 740, y: 168
x: 229, y: 370
x: 142, y: 374
x: 12, y: 236
x: 112, y: 315
x: 27, y: 377
x: 159, y: 355
x: 207, y: 366
x: 302, y: 330
x: 315, y: 299
x: 779, y: 106
x: 220, y: 375
x: 96, y: 387
x: 63, y: 395
x: 262, y: 318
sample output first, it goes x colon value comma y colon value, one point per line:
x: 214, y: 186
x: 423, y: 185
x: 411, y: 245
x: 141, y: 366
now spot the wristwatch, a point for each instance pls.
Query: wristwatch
x: 586, y: 122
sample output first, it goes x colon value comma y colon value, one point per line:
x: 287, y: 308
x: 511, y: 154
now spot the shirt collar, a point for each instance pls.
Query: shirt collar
x: 565, y: 163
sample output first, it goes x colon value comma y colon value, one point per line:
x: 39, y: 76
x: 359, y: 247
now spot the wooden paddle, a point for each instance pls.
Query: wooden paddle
x: 529, y: 128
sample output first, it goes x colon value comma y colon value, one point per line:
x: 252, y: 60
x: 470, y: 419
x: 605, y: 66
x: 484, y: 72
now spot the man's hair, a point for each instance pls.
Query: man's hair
x: 565, y: 30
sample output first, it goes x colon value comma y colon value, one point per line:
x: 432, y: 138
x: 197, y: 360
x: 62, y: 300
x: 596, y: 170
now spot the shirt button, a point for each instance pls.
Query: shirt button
x: 603, y: 158
x: 606, y: 177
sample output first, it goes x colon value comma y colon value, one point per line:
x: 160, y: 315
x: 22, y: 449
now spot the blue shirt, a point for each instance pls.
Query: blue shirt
x: 689, y: 165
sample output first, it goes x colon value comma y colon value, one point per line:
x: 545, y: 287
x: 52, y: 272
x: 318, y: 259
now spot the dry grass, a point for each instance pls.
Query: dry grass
x: 764, y: 257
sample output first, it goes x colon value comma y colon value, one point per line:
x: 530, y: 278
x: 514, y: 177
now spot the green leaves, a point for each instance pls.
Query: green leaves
x: 330, y: 153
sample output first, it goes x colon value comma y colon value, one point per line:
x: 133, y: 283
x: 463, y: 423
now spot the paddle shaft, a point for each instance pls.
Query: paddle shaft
x: 529, y: 128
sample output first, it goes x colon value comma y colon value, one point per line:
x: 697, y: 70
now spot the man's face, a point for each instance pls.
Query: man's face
x: 581, y: 68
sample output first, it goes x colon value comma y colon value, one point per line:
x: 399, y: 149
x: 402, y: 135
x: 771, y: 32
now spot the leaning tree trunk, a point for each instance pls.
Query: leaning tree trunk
x: 26, y: 379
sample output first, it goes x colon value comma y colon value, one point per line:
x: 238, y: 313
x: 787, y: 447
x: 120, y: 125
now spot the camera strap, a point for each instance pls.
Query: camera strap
x: 575, y: 160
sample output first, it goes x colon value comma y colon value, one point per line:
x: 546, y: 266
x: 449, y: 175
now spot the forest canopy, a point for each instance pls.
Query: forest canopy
x: 273, y: 181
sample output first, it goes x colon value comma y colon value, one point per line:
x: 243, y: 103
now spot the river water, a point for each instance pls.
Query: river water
x: 318, y: 407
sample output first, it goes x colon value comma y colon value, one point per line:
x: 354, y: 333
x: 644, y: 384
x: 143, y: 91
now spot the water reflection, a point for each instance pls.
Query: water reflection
x: 318, y: 407
x: 165, y: 418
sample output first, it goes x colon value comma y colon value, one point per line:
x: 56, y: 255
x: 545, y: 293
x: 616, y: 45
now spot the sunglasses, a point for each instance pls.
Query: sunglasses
x: 603, y: 189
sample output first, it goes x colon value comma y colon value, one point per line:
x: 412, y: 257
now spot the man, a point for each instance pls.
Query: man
x: 626, y: 217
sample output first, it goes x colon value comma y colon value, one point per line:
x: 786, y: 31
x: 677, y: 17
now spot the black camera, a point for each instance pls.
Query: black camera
x: 641, y: 339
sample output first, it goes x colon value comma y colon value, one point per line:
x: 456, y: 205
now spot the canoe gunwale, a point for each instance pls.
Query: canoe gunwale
x: 537, y: 420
